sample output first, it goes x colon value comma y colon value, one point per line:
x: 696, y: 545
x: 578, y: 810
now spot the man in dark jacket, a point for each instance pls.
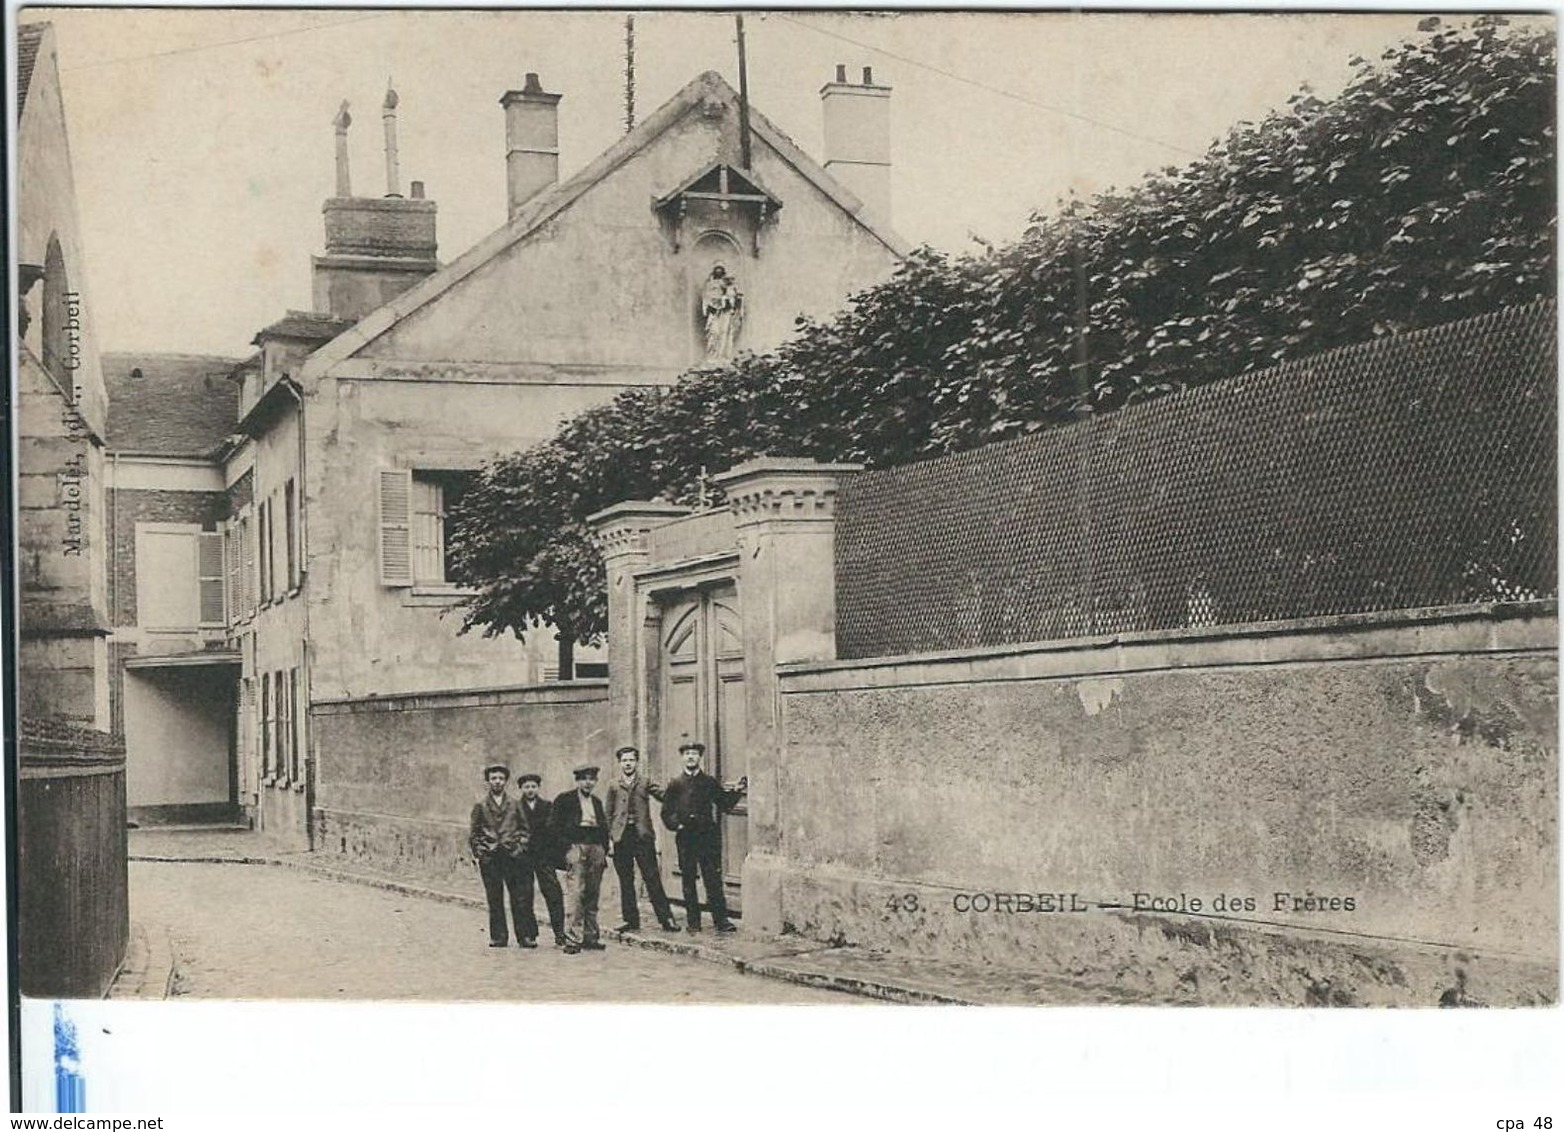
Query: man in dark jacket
x: 539, y: 862
x: 579, y: 825
x: 634, y: 841
x: 497, y: 836
x: 693, y: 805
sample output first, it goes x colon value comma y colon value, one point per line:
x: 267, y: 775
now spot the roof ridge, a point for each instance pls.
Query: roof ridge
x: 556, y: 198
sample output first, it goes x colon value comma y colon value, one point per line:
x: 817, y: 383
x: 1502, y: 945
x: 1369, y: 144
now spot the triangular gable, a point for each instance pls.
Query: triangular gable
x: 550, y: 202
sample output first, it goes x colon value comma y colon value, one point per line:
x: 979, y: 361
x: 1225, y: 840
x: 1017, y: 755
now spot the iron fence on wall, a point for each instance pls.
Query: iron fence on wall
x: 1412, y: 471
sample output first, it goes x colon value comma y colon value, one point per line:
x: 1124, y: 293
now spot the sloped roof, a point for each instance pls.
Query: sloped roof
x: 180, y: 405
x: 550, y: 202
x: 29, y: 38
x: 308, y: 325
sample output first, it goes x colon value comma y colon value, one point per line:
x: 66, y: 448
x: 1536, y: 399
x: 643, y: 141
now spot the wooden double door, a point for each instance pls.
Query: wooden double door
x: 701, y: 686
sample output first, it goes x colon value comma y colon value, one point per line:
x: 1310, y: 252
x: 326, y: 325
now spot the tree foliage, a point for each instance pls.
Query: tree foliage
x: 1424, y: 193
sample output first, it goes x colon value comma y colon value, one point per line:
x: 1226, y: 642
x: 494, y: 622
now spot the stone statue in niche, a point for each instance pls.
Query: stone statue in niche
x: 722, y: 312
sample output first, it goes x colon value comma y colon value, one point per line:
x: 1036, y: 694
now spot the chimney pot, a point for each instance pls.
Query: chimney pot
x: 841, y: 72
x: 857, y: 137
x: 531, y: 141
x: 418, y: 190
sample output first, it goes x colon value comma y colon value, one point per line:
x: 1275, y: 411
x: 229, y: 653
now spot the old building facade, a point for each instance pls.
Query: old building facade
x: 71, y: 771
x: 319, y: 518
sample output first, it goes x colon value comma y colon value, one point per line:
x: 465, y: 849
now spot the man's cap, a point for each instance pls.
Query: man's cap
x: 529, y: 777
x: 623, y: 751
x: 586, y: 772
x: 692, y: 745
x: 492, y: 767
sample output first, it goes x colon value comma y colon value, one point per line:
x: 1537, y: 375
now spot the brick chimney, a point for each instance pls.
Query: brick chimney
x: 531, y: 141
x: 376, y: 247
x: 858, y: 137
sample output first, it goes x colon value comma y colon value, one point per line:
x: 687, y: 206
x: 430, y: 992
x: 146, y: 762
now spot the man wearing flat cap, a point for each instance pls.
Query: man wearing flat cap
x: 498, y: 835
x: 693, y: 805
x: 539, y: 860
x: 631, y: 833
x: 579, y: 826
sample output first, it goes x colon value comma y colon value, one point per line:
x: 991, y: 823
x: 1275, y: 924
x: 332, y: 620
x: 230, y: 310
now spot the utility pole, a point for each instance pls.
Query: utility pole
x: 744, y: 154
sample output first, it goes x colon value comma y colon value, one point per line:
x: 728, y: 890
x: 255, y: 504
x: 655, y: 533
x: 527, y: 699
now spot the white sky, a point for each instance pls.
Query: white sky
x: 201, y: 162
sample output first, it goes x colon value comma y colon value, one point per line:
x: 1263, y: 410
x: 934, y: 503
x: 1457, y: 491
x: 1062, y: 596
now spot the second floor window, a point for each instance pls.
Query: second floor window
x: 414, y: 506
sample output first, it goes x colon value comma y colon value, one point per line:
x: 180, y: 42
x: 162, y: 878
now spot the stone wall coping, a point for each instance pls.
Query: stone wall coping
x: 788, y: 466
x: 1478, y: 628
x: 638, y: 509
x: 696, y: 567
x: 562, y: 691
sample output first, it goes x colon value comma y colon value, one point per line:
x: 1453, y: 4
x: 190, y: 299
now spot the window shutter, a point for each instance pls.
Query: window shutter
x: 292, y: 517
x: 266, y: 724
x: 209, y: 568
x: 396, y: 560
x: 268, y: 579
x: 231, y: 554
x: 247, y: 550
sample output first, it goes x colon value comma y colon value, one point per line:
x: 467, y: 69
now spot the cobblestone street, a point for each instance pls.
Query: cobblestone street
x: 253, y: 931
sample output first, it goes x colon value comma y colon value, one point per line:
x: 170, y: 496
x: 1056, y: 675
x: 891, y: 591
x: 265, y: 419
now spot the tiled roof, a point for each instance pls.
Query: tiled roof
x: 28, y: 39
x: 180, y: 405
x: 305, y: 324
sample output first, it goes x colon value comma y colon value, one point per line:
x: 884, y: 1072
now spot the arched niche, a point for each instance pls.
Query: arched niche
x: 55, y: 315
x: 712, y: 247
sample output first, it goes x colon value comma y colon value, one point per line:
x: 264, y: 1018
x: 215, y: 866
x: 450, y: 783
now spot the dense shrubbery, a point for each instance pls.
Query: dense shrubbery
x: 1424, y: 193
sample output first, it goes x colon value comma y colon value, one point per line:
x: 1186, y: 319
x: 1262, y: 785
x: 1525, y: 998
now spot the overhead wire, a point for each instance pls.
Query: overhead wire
x: 979, y: 84
x: 223, y: 43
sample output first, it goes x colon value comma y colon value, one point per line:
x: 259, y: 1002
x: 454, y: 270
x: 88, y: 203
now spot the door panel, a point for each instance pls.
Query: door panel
x: 701, y: 681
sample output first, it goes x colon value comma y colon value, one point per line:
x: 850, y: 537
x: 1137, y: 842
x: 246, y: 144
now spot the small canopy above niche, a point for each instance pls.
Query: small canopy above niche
x: 721, y: 197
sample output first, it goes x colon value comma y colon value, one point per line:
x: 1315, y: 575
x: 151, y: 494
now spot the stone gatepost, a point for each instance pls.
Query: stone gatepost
x: 621, y: 534
x: 785, y: 515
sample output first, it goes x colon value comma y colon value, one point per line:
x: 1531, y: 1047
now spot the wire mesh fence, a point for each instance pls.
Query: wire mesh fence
x: 1412, y: 471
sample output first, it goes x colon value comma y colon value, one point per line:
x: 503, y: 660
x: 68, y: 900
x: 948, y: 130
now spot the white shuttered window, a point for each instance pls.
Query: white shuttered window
x: 396, y: 496
x: 210, y: 577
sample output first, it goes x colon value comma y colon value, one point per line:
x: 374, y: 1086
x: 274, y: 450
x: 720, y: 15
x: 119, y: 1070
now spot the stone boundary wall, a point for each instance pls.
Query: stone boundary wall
x: 1396, y: 775
x: 398, y: 774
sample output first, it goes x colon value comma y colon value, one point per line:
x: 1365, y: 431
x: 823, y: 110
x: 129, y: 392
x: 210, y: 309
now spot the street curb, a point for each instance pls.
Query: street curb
x: 760, y: 968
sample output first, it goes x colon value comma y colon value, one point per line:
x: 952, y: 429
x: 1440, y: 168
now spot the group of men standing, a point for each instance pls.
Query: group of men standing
x: 518, y: 840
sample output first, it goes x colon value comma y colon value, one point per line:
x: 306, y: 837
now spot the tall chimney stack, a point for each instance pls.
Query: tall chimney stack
x: 388, y: 117
x: 858, y: 137
x: 531, y: 141
x: 342, y: 121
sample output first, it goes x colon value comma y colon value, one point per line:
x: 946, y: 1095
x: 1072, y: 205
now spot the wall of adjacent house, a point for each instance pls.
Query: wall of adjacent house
x: 403, y: 772
x: 1405, y: 765
x: 71, y: 876
x: 370, y: 638
x: 279, y: 632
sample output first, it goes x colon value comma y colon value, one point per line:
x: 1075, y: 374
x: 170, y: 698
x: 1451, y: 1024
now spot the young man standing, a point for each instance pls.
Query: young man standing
x: 497, y: 836
x: 693, y: 805
x: 538, y: 862
x: 579, y: 826
x: 634, y: 843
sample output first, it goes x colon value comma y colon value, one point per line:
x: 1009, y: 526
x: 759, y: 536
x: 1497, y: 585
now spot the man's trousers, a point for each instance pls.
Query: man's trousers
x: 702, y: 851
x: 529, y: 867
x: 501, y: 875
x: 584, y: 865
x: 639, y: 849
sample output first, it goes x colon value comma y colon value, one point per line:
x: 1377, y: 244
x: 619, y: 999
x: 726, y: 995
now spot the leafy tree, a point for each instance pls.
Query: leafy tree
x: 1424, y: 193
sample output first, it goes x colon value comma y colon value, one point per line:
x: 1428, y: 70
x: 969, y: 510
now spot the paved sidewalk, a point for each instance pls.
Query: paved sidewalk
x: 787, y: 959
